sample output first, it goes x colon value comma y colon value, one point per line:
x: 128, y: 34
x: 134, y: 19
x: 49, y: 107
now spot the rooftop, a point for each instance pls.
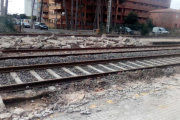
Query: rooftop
x: 165, y: 11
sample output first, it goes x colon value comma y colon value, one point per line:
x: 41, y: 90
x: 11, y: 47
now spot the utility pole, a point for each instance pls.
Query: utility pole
x: 109, y: 16
x: 33, y: 2
x: 41, y: 11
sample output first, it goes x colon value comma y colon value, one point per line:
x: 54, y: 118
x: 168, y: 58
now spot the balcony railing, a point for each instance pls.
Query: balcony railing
x: 59, y: 6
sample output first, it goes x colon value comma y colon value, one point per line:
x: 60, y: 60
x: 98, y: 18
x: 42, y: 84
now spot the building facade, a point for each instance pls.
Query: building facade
x: 54, y: 10
x: 28, y: 8
x: 167, y: 18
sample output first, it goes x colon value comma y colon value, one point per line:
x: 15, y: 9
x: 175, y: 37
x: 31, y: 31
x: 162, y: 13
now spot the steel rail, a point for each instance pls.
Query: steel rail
x: 17, y: 87
x: 76, y: 54
x: 83, y: 49
x: 53, y: 65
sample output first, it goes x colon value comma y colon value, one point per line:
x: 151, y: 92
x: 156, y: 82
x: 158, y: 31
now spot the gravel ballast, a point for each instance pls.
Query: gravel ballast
x: 46, y: 60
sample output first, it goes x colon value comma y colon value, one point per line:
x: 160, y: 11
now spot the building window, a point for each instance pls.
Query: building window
x: 119, y: 9
x: 118, y: 17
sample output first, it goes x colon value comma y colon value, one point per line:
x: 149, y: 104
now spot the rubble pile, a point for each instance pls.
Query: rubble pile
x: 42, y: 42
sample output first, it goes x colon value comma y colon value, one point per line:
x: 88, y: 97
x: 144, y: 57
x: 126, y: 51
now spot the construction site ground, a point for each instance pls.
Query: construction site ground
x: 158, y: 100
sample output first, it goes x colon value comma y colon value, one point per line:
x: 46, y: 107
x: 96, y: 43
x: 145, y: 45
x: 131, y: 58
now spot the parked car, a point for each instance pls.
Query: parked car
x: 159, y: 30
x: 126, y: 30
x: 39, y: 25
x: 116, y: 31
x: 25, y: 24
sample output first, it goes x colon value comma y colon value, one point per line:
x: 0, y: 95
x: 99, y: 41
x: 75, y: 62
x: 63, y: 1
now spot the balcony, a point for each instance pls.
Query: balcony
x: 44, y: 1
x: 45, y: 16
x: 58, y: 16
x: 59, y: 6
x: 45, y: 8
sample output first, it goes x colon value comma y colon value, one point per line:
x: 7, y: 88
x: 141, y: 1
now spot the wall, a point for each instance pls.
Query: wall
x: 166, y: 20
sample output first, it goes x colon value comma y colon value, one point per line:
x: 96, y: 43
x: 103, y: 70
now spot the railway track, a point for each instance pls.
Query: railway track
x: 26, y: 77
x: 32, y: 53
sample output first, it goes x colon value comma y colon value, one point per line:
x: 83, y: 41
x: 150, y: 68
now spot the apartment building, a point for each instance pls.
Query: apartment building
x: 28, y: 8
x: 54, y: 10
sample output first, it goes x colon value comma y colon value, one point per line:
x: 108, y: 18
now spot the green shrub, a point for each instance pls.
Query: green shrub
x: 145, y: 29
x: 7, y: 25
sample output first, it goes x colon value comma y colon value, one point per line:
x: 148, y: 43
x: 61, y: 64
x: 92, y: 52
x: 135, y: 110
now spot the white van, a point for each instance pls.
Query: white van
x: 159, y: 30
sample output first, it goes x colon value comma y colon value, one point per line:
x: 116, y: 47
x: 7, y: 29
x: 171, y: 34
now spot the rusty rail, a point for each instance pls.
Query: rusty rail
x: 83, y: 49
x: 52, y: 65
x: 24, y: 86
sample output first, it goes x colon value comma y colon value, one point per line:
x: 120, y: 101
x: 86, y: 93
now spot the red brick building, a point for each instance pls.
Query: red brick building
x: 167, y: 18
x: 53, y: 9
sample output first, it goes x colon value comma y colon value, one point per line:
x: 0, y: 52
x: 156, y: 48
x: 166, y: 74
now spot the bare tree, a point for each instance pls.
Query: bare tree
x: 82, y: 23
x: 6, y: 8
x: 33, y: 2
x: 97, y: 12
x: 76, y: 15
x: 72, y: 9
x: 66, y: 13
x: 41, y: 11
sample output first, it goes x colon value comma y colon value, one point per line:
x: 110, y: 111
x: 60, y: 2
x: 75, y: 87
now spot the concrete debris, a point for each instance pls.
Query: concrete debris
x: 53, y: 37
x: 1, y: 53
x: 41, y: 42
x: 18, y: 111
x: 38, y: 46
x: 74, y: 97
x: 5, y: 116
x: 2, y: 105
x: 85, y: 111
x: 6, y: 45
x: 52, y: 88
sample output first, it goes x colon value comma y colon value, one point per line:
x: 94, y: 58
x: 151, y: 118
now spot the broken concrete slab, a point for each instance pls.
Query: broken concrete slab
x: 5, y: 116
x: 2, y: 105
x: 18, y: 111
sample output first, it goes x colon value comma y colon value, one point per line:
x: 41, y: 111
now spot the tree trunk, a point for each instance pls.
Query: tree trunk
x: 82, y: 23
x: 67, y: 16
x: 41, y: 11
x: 72, y: 9
x: 76, y: 15
x: 98, y: 5
x: 95, y: 19
x: 6, y: 8
x: 33, y: 2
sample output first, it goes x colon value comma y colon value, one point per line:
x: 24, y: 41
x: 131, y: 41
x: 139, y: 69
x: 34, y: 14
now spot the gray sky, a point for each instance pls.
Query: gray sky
x: 17, y: 6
